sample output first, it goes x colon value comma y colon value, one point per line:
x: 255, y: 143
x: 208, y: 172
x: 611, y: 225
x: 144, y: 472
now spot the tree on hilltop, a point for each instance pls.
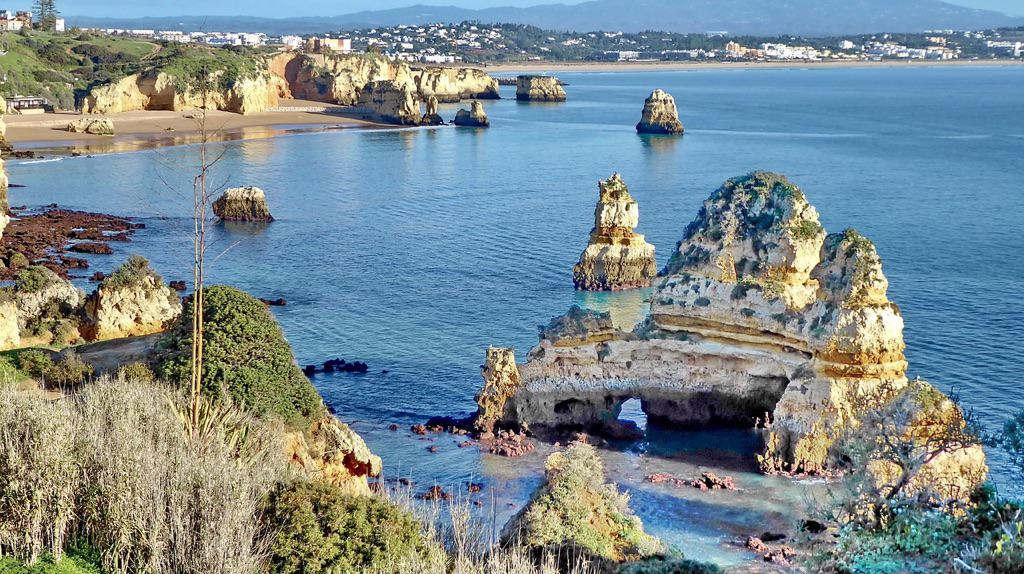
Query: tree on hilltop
x: 46, y: 14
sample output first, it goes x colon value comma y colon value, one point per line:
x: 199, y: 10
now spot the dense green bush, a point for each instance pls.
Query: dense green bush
x: 32, y: 279
x: 246, y: 358
x: 77, y: 560
x: 34, y: 363
x: 321, y: 529
x: 138, y: 372
x: 131, y: 273
x: 69, y: 372
x: 670, y: 566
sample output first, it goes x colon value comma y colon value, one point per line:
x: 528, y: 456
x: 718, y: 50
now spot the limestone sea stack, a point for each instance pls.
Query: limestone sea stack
x: 539, y: 89
x: 474, y: 117
x: 243, y: 204
x: 132, y: 301
x: 660, y: 115
x: 760, y: 316
x: 391, y: 102
x: 431, y: 117
x: 616, y: 258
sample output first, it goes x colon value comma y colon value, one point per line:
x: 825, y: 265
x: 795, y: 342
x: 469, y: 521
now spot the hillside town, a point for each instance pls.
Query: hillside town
x: 474, y: 42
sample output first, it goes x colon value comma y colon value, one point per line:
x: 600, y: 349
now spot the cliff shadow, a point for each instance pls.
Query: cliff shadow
x: 659, y: 143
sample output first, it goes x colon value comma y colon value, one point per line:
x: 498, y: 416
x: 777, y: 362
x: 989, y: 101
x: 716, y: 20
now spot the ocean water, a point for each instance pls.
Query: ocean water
x: 413, y: 250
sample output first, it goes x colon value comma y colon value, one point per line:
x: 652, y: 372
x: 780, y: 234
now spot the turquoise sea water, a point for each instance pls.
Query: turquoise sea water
x: 413, y: 250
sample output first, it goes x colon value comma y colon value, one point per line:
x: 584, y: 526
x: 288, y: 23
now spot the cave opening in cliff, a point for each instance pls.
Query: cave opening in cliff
x: 632, y: 414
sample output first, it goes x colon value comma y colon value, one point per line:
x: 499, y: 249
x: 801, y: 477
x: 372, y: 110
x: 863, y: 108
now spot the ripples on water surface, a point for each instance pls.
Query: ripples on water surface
x: 414, y: 249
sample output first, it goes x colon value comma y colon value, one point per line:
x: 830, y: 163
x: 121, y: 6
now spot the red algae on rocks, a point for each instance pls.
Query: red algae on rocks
x: 47, y: 237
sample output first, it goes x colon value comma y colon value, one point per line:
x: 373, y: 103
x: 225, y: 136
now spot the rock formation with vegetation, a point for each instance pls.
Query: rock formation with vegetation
x: 474, y: 117
x: 132, y: 301
x: 660, y: 115
x: 248, y: 204
x: 576, y: 509
x: 48, y: 306
x: 391, y: 102
x: 761, y: 318
x: 616, y: 257
x: 539, y: 89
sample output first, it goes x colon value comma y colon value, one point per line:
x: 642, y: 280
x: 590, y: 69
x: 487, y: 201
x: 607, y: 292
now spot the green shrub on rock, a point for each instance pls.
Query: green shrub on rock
x: 246, y: 358
x: 322, y: 529
x: 32, y: 279
x: 577, y: 508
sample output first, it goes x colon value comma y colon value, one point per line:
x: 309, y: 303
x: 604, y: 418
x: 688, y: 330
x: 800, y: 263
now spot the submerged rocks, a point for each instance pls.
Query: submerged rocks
x: 616, y: 258
x: 391, y: 102
x: 475, y: 117
x: 93, y: 126
x: 760, y: 314
x: 132, y: 301
x: 329, y: 451
x: 539, y: 89
x: 660, y: 115
x: 247, y: 204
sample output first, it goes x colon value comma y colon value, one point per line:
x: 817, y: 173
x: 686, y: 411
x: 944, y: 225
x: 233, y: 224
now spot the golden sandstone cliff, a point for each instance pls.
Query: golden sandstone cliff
x: 760, y: 316
x: 331, y: 78
x: 616, y: 257
x: 156, y: 90
x: 539, y: 89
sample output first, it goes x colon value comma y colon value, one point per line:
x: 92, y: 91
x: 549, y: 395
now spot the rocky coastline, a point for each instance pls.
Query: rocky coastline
x: 760, y: 317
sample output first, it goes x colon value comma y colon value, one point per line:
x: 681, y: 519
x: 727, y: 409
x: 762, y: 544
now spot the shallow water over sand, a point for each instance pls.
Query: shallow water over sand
x: 413, y: 250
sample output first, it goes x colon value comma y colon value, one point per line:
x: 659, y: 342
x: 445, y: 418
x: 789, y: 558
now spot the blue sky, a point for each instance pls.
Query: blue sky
x: 275, y: 8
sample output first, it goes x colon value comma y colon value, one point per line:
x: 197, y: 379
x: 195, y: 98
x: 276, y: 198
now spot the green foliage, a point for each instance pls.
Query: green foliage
x: 805, y: 230
x: 131, y: 273
x: 915, y: 541
x: 669, y: 565
x: 246, y: 359
x: 576, y: 507
x: 69, y: 372
x: 139, y: 372
x: 199, y: 68
x: 321, y: 529
x: 33, y: 279
x: 80, y: 559
x: 57, y: 66
x: 34, y: 362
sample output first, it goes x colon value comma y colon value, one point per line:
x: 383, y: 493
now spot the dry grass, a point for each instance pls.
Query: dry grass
x: 113, y: 466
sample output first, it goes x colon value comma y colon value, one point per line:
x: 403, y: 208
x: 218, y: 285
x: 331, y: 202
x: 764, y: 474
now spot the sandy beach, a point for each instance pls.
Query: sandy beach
x: 146, y: 129
x: 653, y: 66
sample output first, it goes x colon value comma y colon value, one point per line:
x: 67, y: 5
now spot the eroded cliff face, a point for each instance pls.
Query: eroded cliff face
x: 331, y: 452
x: 660, y: 115
x: 141, y: 307
x: 452, y: 85
x: 391, y: 102
x: 760, y: 318
x: 156, y: 90
x: 616, y: 257
x: 539, y: 89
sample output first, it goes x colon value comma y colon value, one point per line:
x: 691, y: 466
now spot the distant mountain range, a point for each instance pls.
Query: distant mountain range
x: 737, y: 17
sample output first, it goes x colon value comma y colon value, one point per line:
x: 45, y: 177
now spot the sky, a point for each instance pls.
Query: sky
x: 274, y: 8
